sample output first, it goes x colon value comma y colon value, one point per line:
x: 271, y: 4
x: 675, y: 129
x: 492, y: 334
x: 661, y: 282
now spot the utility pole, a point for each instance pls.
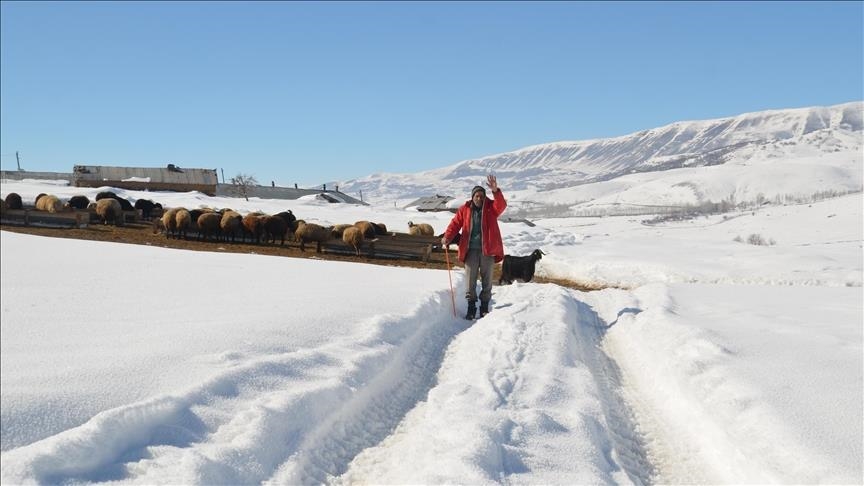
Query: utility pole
x: 223, y: 175
x: 18, y: 161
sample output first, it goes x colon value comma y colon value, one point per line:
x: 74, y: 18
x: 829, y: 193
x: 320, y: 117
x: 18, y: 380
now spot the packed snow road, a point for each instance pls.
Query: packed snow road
x: 475, y: 402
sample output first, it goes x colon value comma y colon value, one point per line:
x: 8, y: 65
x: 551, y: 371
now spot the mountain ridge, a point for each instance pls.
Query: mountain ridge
x: 678, y: 145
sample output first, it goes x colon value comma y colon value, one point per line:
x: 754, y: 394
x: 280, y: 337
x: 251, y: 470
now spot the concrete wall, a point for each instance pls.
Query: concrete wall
x: 17, y: 175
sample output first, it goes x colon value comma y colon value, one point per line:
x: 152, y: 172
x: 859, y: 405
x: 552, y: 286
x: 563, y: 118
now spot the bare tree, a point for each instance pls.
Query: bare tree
x: 243, y: 184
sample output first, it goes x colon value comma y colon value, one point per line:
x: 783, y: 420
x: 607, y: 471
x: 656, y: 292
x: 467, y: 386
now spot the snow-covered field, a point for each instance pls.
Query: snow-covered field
x: 712, y: 361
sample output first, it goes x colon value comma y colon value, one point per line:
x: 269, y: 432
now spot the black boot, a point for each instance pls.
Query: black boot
x: 484, y: 307
x: 472, y: 310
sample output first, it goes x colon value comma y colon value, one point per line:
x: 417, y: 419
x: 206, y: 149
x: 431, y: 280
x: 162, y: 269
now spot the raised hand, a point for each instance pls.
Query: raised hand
x: 492, y: 182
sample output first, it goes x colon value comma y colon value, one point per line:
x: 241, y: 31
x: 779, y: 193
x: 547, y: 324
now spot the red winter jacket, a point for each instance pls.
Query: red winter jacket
x: 490, y: 234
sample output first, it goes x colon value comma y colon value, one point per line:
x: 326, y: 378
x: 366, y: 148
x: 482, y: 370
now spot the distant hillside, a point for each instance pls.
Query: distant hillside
x: 821, y: 147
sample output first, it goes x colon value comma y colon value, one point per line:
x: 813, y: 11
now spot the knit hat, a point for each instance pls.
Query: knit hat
x: 477, y: 188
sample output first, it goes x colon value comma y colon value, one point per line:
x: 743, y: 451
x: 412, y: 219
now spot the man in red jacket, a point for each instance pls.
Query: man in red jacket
x: 480, y: 245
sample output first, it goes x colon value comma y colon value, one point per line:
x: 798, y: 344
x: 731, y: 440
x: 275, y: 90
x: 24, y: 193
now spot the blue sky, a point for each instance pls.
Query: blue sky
x: 305, y: 93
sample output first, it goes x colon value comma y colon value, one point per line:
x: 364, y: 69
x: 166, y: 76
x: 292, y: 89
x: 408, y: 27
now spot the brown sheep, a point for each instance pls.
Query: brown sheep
x: 308, y: 232
x: 421, y: 229
x: 292, y: 228
x: 166, y: 222
x: 367, y: 228
x: 252, y: 224
x: 109, y: 210
x: 339, y: 229
x: 354, y: 237
x: 209, y: 225
x: 49, y: 203
x: 380, y: 229
x: 232, y: 224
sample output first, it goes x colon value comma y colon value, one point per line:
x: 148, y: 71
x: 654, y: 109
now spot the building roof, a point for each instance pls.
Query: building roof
x: 431, y: 203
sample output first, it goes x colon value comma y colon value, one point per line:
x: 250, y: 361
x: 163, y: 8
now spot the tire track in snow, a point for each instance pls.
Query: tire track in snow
x: 299, y: 417
x: 587, y: 330
x: 525, y: 395
x: 628, y: 444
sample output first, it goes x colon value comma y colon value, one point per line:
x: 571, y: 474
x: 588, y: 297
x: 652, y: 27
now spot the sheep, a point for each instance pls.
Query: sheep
x: 252, y: 224
x: 308, y: 232
x: 146, y: 206
x: 109, y: 210
x: 288, y: 216
x: 13, y: 201
x: 38, y: 197
x: 519, y: 267
x: 168, y: 222
x: 339, y: 229
x: 367, y: 228
x: 292, y: 229
x: 49, y: 203
x: 274, y: 227
x: 196, y: 213
x: 125, y: 205
x: 232, y: 225
x: 209, y: 224
x: 380, y: 229
x: 77, y: 202
x: 354, y: 237
x: 182, y: 222
x: 421, y: 229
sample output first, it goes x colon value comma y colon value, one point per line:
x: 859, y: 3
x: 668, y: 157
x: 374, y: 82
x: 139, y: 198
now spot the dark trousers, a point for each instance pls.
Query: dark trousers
x: 478, y: 264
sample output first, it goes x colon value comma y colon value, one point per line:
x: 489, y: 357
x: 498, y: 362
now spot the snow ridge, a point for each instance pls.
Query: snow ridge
x: 277, y: 421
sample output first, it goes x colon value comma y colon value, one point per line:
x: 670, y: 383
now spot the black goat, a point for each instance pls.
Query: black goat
x: 519, y: 267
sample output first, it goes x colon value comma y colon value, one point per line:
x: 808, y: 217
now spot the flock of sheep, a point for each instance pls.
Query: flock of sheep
x: 108, y: 206
x: 258, y: 227
x: 224, y: 224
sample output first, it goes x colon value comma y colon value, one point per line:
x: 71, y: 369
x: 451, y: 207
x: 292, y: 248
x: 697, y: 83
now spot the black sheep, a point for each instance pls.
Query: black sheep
x: 519, y: 267
x: 125, y: 205
x: 78, y: 202
x: 287, y: 216
x: 13, y: 200
x: 146, y: 206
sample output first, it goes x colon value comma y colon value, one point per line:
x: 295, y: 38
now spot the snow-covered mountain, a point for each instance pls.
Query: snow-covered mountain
x: 765, y: 154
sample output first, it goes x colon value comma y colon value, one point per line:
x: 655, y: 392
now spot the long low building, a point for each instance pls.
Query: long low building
x: 171, y: 178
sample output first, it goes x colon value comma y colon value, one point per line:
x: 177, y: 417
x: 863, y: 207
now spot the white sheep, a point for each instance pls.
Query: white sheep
x: 109, y: 210
x: 353, y: 236
x: 50, y: 203
x: 308, y: 232
x: 422, y: 229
